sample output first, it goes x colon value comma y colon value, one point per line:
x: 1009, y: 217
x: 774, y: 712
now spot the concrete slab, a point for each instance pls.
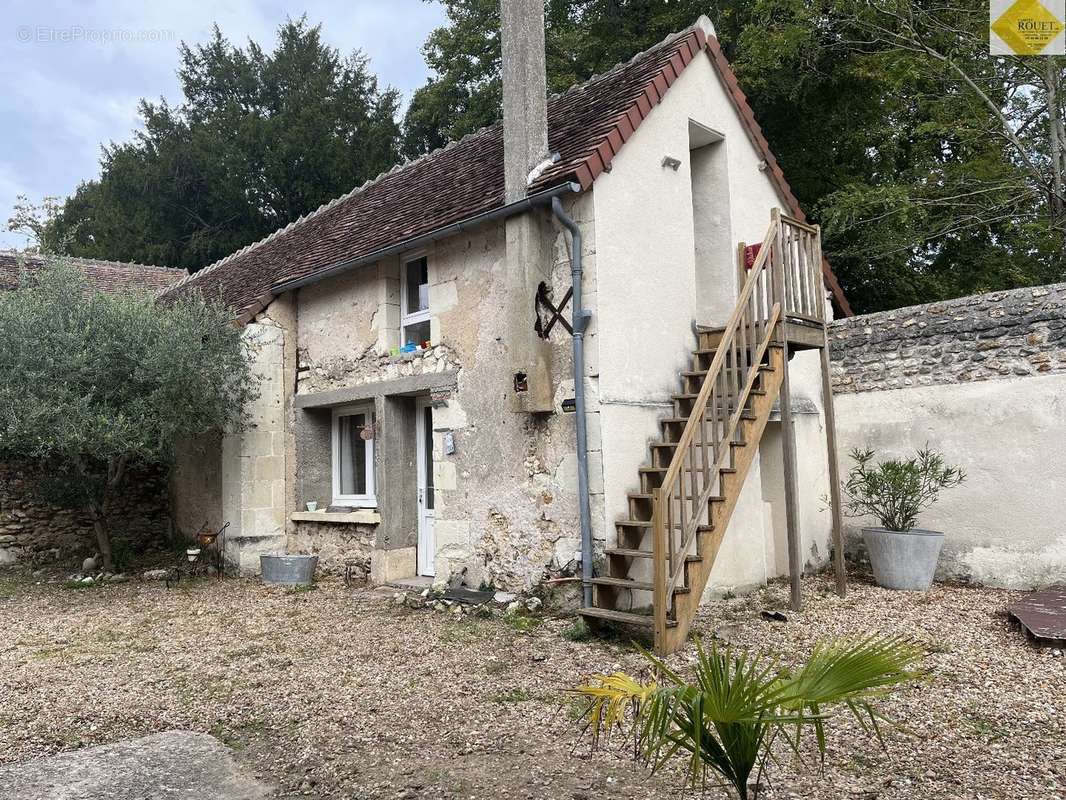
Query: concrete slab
x: 1043, y: 614
x: 416, y: 582
x: 175, y: 765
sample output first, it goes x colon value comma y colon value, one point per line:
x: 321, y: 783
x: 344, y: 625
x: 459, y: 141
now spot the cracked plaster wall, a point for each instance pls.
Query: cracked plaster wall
x: 506, y: 498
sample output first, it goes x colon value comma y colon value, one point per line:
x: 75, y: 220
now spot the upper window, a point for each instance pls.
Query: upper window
x: 415, y: 298
x: 353, y: 456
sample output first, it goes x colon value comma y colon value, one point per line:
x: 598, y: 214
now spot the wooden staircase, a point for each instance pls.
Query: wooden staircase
x: 676, y: 521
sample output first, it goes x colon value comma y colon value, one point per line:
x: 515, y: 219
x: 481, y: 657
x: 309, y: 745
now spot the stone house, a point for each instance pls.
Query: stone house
x: 418, y: 385
x: 418, y: 341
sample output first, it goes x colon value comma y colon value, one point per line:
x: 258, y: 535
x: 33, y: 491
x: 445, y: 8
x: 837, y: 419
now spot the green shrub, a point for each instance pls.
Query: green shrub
x: 895, y: 491
x: 95, y: 384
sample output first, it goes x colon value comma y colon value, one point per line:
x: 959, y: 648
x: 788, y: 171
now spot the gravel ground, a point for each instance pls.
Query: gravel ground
x: 338, y: 693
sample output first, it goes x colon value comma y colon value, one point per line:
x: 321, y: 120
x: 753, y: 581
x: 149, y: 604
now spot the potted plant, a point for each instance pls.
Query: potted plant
x: 902, y: 555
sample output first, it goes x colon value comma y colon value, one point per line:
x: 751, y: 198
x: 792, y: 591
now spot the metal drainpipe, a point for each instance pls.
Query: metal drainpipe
x: 580, y: 322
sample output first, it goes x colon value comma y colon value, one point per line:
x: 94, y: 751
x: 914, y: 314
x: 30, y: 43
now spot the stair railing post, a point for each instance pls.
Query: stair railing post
x: 839, y: 568
x: 777, y: 272
x: 788, y: 433
x: 660, y: 570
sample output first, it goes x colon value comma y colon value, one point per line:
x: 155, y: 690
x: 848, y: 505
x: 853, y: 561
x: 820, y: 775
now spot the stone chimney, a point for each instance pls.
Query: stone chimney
x: 525, y: 104
x: 529, y: 235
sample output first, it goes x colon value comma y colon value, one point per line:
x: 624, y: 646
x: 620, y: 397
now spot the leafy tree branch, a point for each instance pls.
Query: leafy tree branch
x: 93, y: 385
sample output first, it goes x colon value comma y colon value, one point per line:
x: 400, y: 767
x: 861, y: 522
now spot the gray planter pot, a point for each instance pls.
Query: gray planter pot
x: 903, y: 559
x: 279, y: 570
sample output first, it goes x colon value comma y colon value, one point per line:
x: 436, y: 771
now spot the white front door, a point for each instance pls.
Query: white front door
x: 424, y: 446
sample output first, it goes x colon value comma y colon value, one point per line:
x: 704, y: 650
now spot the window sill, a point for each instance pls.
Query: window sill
x: 365, y: 516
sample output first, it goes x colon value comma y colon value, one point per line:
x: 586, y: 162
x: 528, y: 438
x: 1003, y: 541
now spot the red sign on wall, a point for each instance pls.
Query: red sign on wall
x: 751, y: 252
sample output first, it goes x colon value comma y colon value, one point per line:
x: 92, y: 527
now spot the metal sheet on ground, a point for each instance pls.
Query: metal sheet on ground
x: 1043, y: 614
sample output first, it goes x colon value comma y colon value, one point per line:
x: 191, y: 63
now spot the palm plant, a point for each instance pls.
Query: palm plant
x: 726, y: 721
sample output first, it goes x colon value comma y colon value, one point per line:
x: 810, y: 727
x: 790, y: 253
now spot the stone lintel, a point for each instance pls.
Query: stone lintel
x: 410, y: 385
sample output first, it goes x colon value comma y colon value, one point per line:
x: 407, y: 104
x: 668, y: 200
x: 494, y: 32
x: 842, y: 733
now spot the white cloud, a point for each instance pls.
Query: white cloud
x: 63, y: 99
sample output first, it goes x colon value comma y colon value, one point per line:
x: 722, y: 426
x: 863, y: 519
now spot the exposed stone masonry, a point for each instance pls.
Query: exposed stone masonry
x: 34, y: 532
x: 371, y: 366
x: 977, y: 338
x: 335, y: 545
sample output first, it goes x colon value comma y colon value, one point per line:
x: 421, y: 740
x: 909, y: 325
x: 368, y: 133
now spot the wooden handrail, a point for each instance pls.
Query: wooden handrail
x: 688, y: 534
x: 784, y: 282
x: 720, y: 354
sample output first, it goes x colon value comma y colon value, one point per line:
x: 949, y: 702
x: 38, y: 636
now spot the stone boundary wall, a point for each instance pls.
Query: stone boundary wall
x: 33, y: 532
x: 982, y: 379
x: 978, y: 338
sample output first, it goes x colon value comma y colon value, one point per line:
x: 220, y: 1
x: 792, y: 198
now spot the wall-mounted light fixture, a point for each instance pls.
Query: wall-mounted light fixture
x: 671, y: 162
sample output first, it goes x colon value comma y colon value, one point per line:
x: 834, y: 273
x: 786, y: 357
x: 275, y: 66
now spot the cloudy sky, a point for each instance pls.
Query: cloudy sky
x: 72, y: 72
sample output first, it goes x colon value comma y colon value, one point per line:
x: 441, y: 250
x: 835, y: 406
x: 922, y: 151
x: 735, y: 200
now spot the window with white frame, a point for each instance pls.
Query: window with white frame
x: 414, y: 297
x: 353, y: 456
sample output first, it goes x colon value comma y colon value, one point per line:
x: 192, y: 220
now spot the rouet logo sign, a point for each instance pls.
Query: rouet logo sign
x: 1027, y: 27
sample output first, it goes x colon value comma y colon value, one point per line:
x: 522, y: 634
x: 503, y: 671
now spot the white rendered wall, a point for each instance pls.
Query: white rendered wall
x: 649, y: 292
x: 1004, y: 525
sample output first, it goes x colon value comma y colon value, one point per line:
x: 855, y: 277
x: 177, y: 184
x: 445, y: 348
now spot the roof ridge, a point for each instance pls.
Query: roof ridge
x: 623, y: 64
x: 402, y: 165
x: 104, y: 262
x: 399, y: 166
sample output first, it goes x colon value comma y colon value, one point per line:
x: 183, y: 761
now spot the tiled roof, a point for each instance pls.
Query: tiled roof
x: 104, y: 276
x: 587, y: 126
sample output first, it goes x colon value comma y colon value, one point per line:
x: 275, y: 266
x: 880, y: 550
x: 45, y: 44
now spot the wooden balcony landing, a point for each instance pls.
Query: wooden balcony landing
x: 802, y: 334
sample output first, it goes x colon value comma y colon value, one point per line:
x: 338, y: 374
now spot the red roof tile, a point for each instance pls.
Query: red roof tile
x: 104, y: 276
x: 587, y: 126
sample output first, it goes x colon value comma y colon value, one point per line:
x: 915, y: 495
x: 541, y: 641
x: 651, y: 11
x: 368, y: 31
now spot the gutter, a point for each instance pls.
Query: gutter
x: 511, y: 209
x: 580, y: 321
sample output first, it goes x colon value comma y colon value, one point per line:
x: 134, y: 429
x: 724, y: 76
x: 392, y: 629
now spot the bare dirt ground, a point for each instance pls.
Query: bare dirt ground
x: 337, y: 693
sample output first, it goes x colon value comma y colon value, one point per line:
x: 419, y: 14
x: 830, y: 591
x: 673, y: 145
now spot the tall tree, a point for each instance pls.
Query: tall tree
x: 582, y: 37
x: 93, y: 385
x: 258, y: 139
x: 890, y: 118
x: 37, y: 222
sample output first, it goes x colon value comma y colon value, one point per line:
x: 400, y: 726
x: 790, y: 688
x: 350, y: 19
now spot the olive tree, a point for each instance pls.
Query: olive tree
x: 94, y: 384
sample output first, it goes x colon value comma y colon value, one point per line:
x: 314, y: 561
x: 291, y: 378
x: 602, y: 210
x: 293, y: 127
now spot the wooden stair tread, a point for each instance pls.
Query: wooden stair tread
x: 686, y: 469
x: 629, y: 583
x: 623, y: 617
x: 699, y: 373
x: 744, y: 415
x: 673, y: 445
x: 646, y: 523
x: 717, y: 498
x: 710, y: 351
x: 627, y: 552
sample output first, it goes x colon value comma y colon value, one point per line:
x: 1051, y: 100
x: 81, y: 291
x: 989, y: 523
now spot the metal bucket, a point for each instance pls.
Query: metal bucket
x: 280, y: 570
